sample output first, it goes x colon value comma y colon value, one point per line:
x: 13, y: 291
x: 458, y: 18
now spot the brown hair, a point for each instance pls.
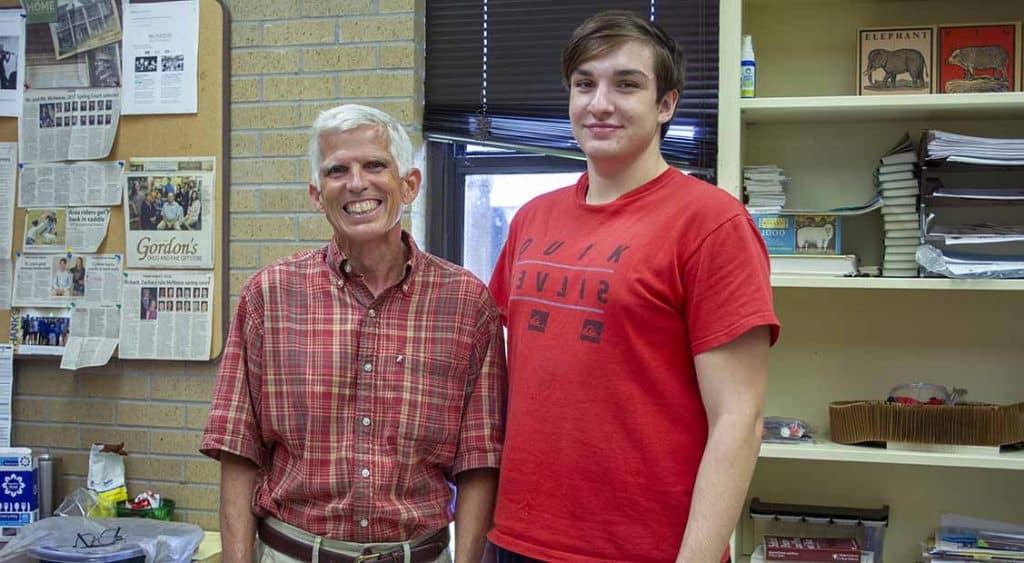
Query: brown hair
x: 609, y: 30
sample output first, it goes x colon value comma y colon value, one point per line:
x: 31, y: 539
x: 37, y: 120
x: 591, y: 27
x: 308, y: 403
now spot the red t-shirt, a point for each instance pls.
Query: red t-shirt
x: 606, y: 307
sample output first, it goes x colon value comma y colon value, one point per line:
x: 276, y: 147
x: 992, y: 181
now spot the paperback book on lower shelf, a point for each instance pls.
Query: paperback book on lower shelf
x: 813, y: 264
x: 786, y: 548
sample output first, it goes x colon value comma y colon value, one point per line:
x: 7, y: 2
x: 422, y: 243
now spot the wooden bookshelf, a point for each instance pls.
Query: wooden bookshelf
x: 882, y: 108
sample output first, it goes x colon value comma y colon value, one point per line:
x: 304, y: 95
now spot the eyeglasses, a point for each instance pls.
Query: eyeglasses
x: 110, y: 536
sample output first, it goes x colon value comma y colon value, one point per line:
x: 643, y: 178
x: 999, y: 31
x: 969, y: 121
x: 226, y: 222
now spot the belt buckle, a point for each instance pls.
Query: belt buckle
x: 367, y: 557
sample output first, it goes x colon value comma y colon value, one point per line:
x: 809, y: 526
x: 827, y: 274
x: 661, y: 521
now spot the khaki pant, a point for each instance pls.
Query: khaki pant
x: 266, y: 554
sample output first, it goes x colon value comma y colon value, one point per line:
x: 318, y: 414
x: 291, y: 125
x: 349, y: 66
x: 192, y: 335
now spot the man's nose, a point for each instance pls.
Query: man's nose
x: 601, y: 102
x: 357, y: 179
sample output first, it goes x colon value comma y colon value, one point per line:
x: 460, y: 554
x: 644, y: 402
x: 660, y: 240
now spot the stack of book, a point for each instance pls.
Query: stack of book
x: 765, y: 189
x: 898, y: 185
x: 808, y: 549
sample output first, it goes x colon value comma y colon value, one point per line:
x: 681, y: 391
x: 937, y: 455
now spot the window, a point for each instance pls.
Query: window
x: 496, y: 112
x: 473, y: 193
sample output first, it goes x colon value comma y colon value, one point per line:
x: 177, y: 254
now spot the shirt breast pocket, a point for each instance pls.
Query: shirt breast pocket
x: 433, y: 392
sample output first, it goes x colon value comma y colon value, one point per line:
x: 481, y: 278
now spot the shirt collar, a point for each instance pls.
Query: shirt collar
x: 337, y: 261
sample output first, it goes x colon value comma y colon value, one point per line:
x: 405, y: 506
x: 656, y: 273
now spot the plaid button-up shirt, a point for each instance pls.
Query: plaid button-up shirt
x: 360, y: 410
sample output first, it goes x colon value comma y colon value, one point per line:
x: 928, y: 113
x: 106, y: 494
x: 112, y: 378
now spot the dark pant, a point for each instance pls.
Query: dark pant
x: 506, y: 556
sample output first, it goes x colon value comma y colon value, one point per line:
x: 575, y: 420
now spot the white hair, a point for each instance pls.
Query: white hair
x: 351, y: 116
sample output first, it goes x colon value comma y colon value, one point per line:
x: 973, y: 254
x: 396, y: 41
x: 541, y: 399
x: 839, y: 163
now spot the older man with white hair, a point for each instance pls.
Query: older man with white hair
x: 363, y: 383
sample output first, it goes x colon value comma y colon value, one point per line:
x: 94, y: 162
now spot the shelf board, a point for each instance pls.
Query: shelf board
x: 1000, y: 105
x: 896, y: 283
x: 829, y: 451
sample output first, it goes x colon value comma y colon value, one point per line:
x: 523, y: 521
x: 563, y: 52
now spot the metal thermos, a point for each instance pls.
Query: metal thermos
x: 47, y: 478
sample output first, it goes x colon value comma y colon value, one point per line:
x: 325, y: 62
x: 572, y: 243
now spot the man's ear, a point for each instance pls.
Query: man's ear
x: 667, y: 106
x: 316, y: 197
x: 411, y: 185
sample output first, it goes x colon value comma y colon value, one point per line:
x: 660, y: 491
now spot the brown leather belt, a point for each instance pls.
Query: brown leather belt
x: 425, y: 552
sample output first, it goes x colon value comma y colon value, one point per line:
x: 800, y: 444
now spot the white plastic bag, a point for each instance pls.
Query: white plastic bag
x: 162, y: 542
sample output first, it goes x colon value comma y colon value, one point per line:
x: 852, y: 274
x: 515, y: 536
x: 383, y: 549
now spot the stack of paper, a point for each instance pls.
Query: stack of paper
x: 765, y: 188
x: 975, y: 150
x: 896, y: 178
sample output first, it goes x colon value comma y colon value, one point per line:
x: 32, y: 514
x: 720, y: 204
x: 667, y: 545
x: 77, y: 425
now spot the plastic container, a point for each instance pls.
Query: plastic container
x: 748, y: 69
x: 163, y: 512
x: 118, y: 553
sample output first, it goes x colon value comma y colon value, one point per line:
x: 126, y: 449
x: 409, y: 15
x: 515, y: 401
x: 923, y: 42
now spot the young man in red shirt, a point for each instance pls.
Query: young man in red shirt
x: 639, y: 314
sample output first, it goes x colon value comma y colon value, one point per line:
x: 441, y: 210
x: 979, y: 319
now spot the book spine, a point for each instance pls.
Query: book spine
x: 791, y: 554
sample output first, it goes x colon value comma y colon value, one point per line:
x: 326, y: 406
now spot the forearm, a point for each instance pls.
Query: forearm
x: 474, y: 511
x: 721, y: 487
x: 237, y: 522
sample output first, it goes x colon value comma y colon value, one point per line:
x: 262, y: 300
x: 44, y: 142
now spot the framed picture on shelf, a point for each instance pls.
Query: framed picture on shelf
x: 979, y: 57
x: 896, y: 60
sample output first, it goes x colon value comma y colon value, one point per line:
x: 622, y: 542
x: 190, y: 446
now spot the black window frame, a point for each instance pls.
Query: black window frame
x: 449, y: 162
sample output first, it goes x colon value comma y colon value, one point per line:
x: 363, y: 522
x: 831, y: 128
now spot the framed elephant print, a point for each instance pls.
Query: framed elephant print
x: 896, y: 60
x: 979, y: 58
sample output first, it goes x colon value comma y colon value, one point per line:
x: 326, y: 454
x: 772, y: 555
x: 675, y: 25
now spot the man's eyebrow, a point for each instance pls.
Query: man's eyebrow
x: 622, y: 73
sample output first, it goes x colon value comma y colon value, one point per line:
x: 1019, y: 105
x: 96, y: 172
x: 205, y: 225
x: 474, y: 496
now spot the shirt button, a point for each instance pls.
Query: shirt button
x: 364, y: 522
x: 368, y: 367
x: 366, y: 421
x: 347, y: 267
x: 372, y: 313
x: 365, y: 472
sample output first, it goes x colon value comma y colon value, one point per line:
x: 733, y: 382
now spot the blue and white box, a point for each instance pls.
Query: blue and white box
x: 19, y: 501
x: 800, y: 234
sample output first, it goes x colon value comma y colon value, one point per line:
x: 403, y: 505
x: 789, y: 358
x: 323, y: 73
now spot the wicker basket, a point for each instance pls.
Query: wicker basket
x: 970, y: 424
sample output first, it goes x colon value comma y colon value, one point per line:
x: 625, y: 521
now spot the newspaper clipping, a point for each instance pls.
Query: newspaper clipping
x: 93, y: 338
x: 161, y: 55
x: 12, y: 61
x: 8, y: 171
x: 74, y: 184
x: 66, y: 124
x: 40, y: 332
x: 6, y: 275
x: 57, y: 280
x: 97, y: 68
x: 167, y: 315
x: 83, y: 25
x: 169, y: 221
x: 74, y: 229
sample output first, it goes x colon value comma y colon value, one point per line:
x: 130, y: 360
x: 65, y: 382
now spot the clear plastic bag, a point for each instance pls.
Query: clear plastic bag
x: 933, y: 260
x: 786, y: 430
x: 162, y: 542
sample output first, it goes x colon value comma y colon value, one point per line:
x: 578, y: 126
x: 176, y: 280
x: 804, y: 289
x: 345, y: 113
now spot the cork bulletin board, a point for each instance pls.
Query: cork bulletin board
x: 204, y: 133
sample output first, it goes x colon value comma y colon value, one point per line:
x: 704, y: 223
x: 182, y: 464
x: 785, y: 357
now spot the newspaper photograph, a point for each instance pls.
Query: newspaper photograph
x: 70, y: 184
x: 97, y: 68
x: 40, y: 332
x: 12, y: 61
x: 161, y: 57
x: 56, y: 230
x: 65, y: 124
x: 169, y: 220
x: 93, y: 337
x: 6, y: 276
x: 167, y: 315
x: 83, y: 25
x: 8, y: 173
x: 62, y: 279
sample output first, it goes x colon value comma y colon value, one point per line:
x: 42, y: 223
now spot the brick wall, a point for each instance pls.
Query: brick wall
x: 290, y: 59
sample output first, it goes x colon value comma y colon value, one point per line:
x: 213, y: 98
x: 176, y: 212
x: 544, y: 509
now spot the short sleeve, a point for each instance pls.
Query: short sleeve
x: 500, y: 278
x: 482, y: 432
x: 728, y: 286
x: 232, y: 426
